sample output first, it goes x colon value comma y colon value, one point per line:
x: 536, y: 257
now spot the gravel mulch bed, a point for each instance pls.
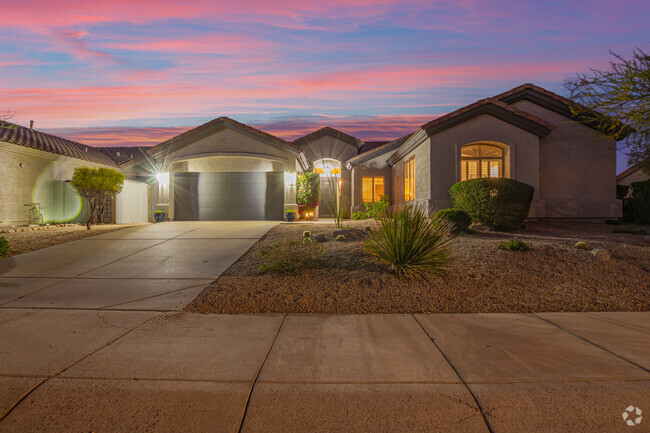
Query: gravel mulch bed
x: 551, y: 276
x: 32, y: 239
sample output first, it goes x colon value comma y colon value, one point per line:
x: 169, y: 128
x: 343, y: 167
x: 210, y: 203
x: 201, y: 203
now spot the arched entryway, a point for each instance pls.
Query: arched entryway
x: 329, y: 171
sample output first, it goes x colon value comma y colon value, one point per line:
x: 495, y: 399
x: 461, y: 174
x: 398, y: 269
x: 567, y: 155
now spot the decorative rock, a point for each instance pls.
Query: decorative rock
x: 319, y: 237
x: 601, y: 254
x: 482, y: 227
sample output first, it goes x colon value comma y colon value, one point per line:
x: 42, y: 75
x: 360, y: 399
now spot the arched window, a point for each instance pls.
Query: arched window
x: 481, y: 160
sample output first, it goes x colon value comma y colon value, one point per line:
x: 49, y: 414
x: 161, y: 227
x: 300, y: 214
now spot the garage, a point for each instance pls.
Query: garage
x: 214, y: 196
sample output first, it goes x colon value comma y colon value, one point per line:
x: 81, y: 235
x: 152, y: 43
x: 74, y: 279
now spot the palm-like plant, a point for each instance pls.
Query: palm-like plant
x: 410, y: 241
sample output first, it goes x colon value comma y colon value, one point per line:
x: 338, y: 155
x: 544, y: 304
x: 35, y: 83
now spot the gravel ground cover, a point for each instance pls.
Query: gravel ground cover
x: 551, y: 276
x: 25, y: 239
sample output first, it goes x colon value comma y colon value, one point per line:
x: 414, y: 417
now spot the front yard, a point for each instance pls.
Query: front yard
x: 551, y: 276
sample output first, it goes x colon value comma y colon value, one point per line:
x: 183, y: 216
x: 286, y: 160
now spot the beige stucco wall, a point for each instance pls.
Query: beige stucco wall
x: 577, y: 169
x: 33, y: 182
x: 423, y: 169
x: 373, y: 167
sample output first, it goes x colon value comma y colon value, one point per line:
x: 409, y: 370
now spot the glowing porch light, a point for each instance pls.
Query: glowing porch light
x: 163, y: 179
x: 289, y: 179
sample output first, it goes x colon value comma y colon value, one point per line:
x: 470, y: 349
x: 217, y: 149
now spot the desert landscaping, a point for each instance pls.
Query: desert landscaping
x: 552, y: 275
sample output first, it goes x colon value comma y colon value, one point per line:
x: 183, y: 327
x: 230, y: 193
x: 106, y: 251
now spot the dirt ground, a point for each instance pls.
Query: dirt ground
x: 31, y: 240
x: 551, y: 276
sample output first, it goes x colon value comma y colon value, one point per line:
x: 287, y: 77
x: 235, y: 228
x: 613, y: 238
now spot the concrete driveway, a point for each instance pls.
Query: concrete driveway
x: 158, y: 267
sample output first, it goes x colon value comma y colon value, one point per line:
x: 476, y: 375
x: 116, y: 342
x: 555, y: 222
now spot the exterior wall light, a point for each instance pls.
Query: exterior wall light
x: 163, y: 179
x: 289, y: 179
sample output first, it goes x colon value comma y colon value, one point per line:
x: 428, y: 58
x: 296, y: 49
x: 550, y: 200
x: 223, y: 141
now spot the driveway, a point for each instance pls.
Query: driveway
x: 158, y: 267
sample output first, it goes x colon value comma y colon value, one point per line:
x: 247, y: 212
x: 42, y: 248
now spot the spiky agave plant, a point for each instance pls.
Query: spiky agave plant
x: 411, y: 242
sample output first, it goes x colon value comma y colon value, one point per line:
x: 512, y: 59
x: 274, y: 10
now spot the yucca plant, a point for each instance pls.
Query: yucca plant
x: 411, y: 242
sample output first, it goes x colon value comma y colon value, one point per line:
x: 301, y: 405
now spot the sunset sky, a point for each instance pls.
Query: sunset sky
x: 127, y: 72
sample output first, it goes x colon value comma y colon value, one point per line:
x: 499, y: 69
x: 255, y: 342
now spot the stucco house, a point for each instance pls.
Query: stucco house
x: 633, y: 174
x: 227, y: 170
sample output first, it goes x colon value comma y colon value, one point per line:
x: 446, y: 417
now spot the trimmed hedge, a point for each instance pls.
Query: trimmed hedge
x: 458, y: 217
x: 500, y: 202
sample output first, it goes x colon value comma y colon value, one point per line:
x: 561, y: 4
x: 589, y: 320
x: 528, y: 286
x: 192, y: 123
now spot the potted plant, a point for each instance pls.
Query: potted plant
x: 290, y: 214
x: 159, y: 216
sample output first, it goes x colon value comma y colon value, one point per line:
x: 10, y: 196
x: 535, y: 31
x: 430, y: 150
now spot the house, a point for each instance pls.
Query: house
x: 225, y: 169
x: 633, y: 174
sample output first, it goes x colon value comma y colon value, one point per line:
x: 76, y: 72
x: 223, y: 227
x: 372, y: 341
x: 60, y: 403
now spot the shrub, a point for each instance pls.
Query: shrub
x: 291, y: 256
x: 307, y: 191
x: 306, y: 234
x: 514, y: 244
x: 502, y: 203
x: 359, y: 215
x: 368, y: 228
x: 410, y: 242
x: 340, y: 238
x: 377, y: 209
x: 4, y: 246
x: 581, y: 246
x: 459, y: 218
x: 640, y: 202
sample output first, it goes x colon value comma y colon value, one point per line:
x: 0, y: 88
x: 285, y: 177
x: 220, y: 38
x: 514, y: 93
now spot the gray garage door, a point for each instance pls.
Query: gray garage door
x: 228, y: 196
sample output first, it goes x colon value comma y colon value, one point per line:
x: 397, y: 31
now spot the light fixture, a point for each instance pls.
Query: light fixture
x: 289, y: 179
x: 163, y: 179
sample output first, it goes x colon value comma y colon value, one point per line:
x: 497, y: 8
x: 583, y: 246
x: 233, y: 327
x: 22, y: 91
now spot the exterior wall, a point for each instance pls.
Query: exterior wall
x: 423, y: 170
x: 38, y: 181
x: 521, y: 156
x: 577, y: 169
x: 131, y: 205
x: 374, y: 167
x: 330, y: 147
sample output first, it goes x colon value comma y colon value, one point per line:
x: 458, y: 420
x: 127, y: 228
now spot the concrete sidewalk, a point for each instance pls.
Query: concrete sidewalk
x: 63, y: 370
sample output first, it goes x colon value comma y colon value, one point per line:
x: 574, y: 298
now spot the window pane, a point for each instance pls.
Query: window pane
x: 319, y: 170
x: 366, y: 189
x: 491, y: 151
x: 379, y: 187
x: 463, y: 170
x: 494, y: 168
x: 471, y: 151
x: 472, y: 169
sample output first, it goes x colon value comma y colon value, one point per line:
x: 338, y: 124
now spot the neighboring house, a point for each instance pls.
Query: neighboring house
x: 633, y: 174
x: 227, y: 170
x: 35, y: 167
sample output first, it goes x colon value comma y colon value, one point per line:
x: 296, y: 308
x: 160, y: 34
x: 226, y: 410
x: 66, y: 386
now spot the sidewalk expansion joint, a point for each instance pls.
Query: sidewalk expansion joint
x: 259, y: 372
x: 592, y: 343
x: 49, y: 377
x: 478, y: 404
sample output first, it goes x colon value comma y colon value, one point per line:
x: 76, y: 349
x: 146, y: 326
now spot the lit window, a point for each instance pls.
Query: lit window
x: 409, y: 179
x: 319, y: 170
x: 372, y: 188
x: 481, y: 160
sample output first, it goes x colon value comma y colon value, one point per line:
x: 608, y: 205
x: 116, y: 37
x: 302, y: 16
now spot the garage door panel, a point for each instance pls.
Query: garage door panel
x: 236, y: 196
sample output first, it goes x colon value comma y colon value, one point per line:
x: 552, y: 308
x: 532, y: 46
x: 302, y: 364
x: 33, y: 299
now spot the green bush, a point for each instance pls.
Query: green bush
x: 640, y: 202
x: 291, y: 256
x: 377, y: 209
x: 459, y: 218
x: 306, y: 234
x: 359, y: 215
x: 514, y: 244
x: 367, y: 228
x: 500, y: 202
x: 340, y: 238
x: 4, y: 246
x: 581, y: 246
x: 411, y: 242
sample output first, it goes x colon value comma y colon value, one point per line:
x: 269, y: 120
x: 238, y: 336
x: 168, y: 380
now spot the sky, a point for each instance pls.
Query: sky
x: 137, y: 72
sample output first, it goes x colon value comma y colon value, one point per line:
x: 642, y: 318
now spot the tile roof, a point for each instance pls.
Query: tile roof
x: 369, y: 145
x: 123, y: 154
x: 31, y: 138
x: 632, y: 169
x: 331, y: 132
x: 377, y: 150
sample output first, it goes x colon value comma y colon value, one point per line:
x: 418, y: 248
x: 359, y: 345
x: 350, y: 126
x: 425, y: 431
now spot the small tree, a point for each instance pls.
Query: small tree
x: 96, y: 185
x: 618, y: 101
x: 307, y: 191
x: 333, y: 200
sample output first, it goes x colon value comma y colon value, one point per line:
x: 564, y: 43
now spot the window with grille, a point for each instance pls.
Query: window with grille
x: 372, y: 188
x: 409, y: 179
x: 481, y: 160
